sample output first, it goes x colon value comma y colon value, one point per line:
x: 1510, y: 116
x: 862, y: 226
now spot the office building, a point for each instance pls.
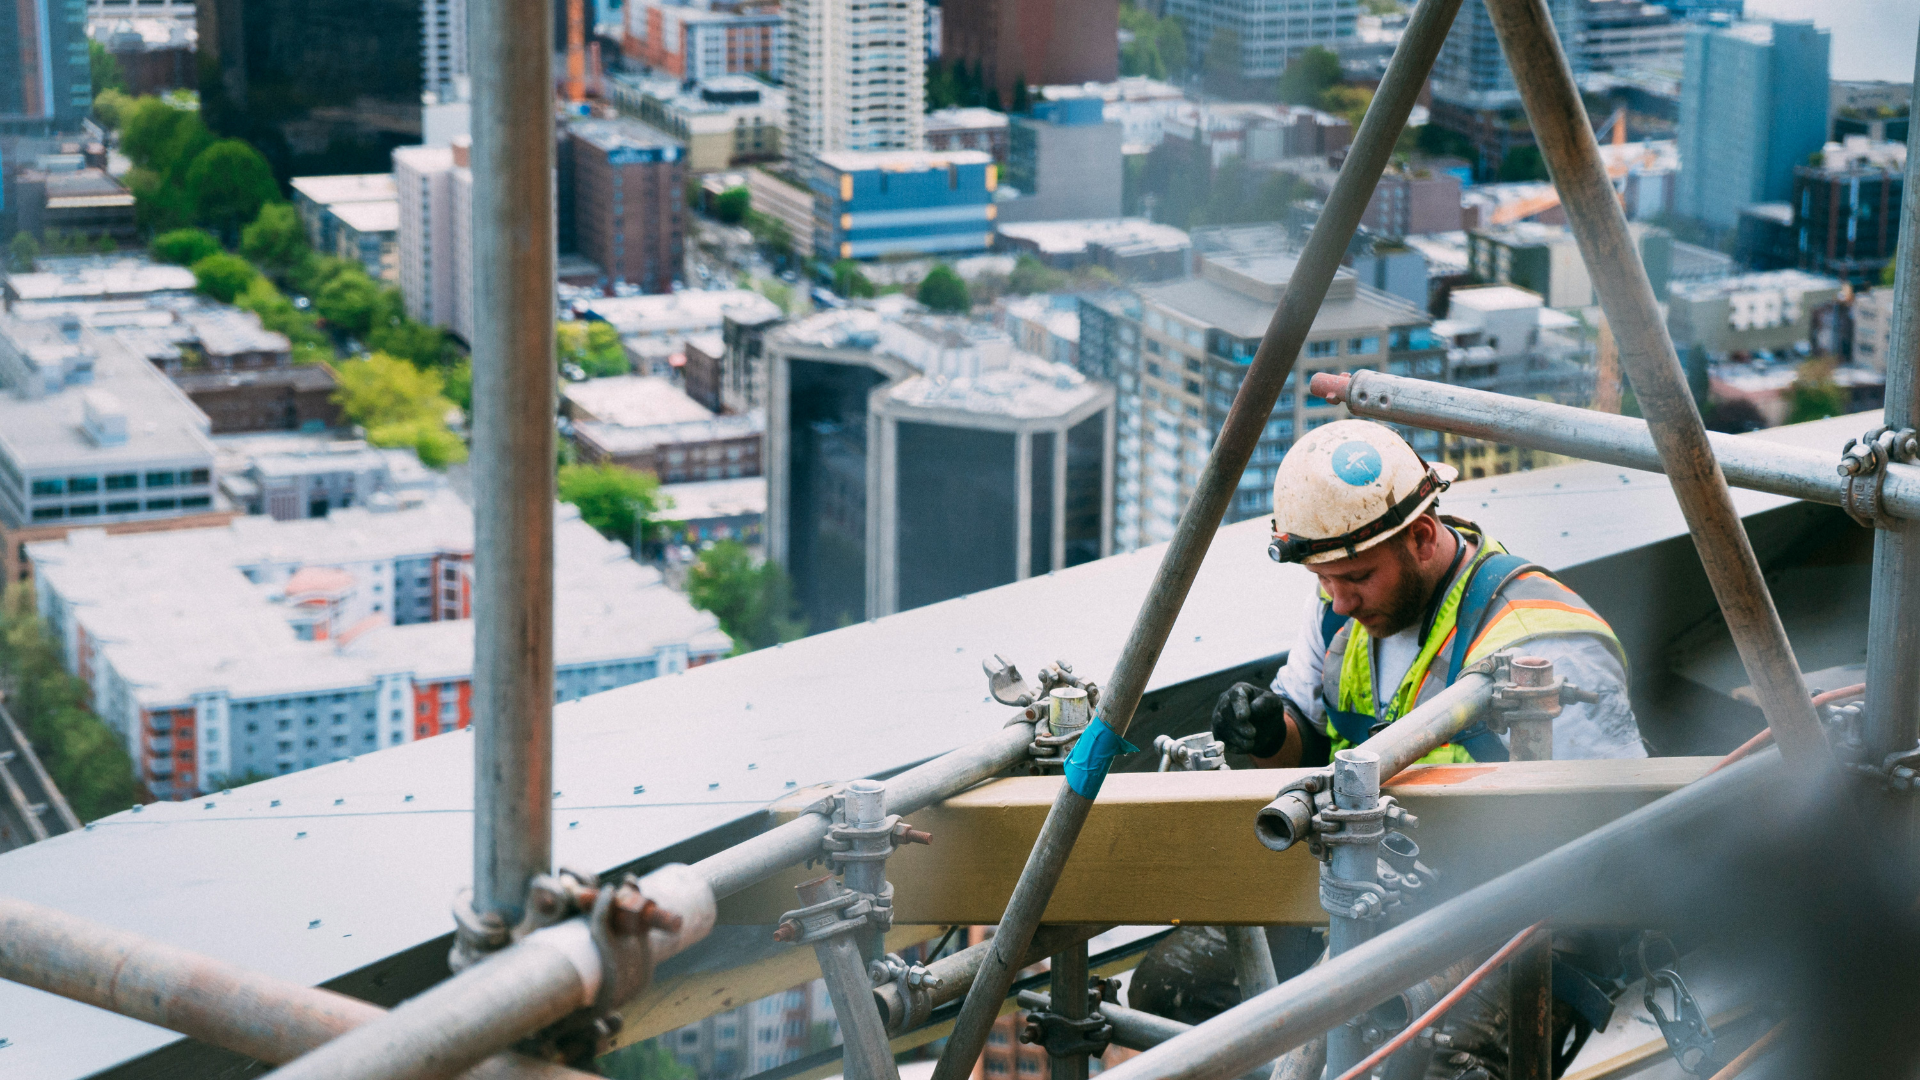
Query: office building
x: 1473, y: 89
x: 855, y: 75
x: 1847, y: 209
x: 1753, y: 106
x: 311, y: 475
x: 1545, y: 260
x: 1873, y: 328
x: 1631, y: 35
x: 788, y: 200
x: 153, y: 44
x: 687, y: 42
x: 1749, y: 314
x: 92, y: 434
x: 723, y: 121
x: 912, y: 459
x: 1505, y: 340
x: 1038, y: 42
x: 629, y: 201
x: 272, y: 646
x: 1414, y: 199
x: 353, y: 217
x: 1140, y: 105
x: 82, y: 202
x: 1132, y: 249
x: 1270, y: 36
x: 320, y: 87
x: 1179, y: 350
x: 46, y: 85
x: 1873, y: 108
x: 1765, y: 238
x: 968, y: 129
x: 1045, y: 326
x: 423, y: 190
x: 866, y: 205
x: 1066, y: 163
x: 443, y: 50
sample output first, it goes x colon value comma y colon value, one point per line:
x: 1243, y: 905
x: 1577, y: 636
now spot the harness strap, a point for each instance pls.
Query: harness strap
x: 1492, y: 575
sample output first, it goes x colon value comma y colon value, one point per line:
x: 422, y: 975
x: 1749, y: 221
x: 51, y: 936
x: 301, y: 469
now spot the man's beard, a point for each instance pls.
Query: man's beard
x: 1410, y: 603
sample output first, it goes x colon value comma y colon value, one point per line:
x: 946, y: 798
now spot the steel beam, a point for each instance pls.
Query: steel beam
x: 1893, y: 616
x: 511, y: 57
x: 1748, y: 461
x: 218, y: 1003
x: 1560, y: 125
x: 1182, y: 844
x: 1286, y: 335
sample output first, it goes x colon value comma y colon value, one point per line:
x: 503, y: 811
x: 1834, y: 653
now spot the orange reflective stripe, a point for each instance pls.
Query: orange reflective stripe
x: 1547, y: 605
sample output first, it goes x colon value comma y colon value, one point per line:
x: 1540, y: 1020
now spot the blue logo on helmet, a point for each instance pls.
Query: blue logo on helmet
x: 1356, y: 462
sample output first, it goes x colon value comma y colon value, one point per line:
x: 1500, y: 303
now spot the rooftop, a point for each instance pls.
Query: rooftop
x: 1785, y: 281
x: 691, y: 311
x: 347, y: 188
x: 178, y: 613
x: 1126, y: 88
x: 964, y: 119
x: 1028, y: 388
x: 1067, y: 237
x: 632, y: 401
x: 98, y: 277
x: 1237, y: 293
x: 1495, y: 298
x: 902, y: 160
x: 380, y: 216
x: 623, y: 439
x: 621, y: 134
x: 297, y: 377
x: 717, y: 498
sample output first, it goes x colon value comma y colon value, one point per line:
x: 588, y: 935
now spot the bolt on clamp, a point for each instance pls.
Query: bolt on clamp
x: 842, y: 913
x: 1863, y: 465
x: 1198, y: 752
x: 1063, y: 1036
x: 1060, y: 710
x: 914, y: 985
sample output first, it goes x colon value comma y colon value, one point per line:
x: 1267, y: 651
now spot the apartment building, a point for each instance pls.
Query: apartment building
x: 629, y: 203
x: 855, y: 75
x: 687, y: 42
x: 272, y: 646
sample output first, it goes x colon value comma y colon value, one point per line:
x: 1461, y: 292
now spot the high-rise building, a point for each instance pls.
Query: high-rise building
x: 912, y: 459
x: 422, y: 183
x: 1040, y: 42
x: 443, y: 48
x: 855, y: 75
x: 318, y: 86
x: 629, y: 203
x: 1473, y: 89
x: 1066, y: 161
x: 1629, y: 35
x: 699, y: 43
x: 1753, y: 106
x: 1847, y: 209
x: 1179, y: 350
x: 45, y: 82
x: 1266, y: 37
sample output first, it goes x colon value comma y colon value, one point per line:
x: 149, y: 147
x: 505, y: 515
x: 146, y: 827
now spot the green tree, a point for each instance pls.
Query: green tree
x: 1888, y: 272
x: 223, y: 276
x: 277, y: 313
x: 594, y: 345
x: 229, y: 182
x: 348, y: 302
x: 105, y: 69
x: 943, y: 290
x: 621, y: 503
x: 110, y: 107
x: 1522, y: 163
x: 84, y: 758
x: 22, y: 252
x: 1309, y: 76
x: 849, y: 281
x: 731, y: 205
x: 275, y: 240
x: 459, y: 385
x: 184, y: 247
x: 1030, y: 275
x: 1347, y: 102
x: 753, y: 601
x: 416, y: 343
x: 156, y: 135
x: 399, y: 405
x: 1814, y: 395
x: 644, y: 1061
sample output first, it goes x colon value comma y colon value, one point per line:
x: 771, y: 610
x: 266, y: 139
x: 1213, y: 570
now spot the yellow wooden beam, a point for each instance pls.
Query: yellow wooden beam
x: 1168, y: 848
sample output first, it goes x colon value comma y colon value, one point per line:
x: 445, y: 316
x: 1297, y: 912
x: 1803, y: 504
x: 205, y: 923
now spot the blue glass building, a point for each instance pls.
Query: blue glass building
x: 1753, y: 106
x: 905, y: 202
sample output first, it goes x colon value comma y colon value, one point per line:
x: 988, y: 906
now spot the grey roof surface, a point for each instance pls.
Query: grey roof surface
x: 162, y: 425
x: 238, y: 879
x: 1244, y: 316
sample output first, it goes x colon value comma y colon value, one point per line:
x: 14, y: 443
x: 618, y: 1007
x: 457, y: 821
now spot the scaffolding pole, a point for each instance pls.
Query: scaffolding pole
x: 1479, y: 919
x: 1565, y: 136
x: 1273, y: 362
x: 218, y: 1003
x: 510, y: 53
x: 1893, y: 615
x: 1747, y: 461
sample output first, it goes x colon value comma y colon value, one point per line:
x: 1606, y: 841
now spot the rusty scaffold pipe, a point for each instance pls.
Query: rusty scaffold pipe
x: 1273, y: 362
x: 1565, y: 135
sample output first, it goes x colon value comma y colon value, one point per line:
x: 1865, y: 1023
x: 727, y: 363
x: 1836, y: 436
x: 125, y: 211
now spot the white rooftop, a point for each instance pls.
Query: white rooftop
x: 175, y: 613
x: 376, y: 216
x: 633, y: 401
x: 348, y: 188
x: 1067, y: 237
x: 964, y: 119
x: 716, y: 498
x: 93, y: 278
x: 691, y: 311
x: 1495, y: 298
x: 902, y: 160
x: 1784, y: 281
x: 1126, y: 88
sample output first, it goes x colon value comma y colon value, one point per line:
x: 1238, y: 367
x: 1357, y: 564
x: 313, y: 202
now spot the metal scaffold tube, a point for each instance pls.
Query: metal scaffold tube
x: 1565, y: 136
x: 510, y: 55
x: 1582, y: 872
x: 1746, y: 461
x: 218, y: 1003
x: 1893, y: 610
x: 1273, y: 362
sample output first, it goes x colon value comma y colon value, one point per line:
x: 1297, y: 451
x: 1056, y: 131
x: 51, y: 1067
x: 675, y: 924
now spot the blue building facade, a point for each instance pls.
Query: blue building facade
x: 1753, y: 106
x: 868, y: 205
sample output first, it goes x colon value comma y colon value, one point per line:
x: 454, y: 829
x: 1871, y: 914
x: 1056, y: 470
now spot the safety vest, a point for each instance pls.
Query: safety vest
x: 1497, y: 602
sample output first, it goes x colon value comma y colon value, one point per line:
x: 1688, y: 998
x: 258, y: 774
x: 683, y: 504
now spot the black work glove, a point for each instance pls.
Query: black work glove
x: 1251, y: 720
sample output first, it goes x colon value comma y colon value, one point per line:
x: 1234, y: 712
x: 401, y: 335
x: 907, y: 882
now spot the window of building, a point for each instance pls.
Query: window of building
x: 1363, y: 346
x: 195, y: 501
x: 48, y: 513
x: 160, y: 479
x: 201, y: 476
x: 1322, y: 348
x: 49, y: 487
x: 123, y: 481
x: 82, y: 485
x: 162, y: 504
x: 123, y: 507
x: 84, y: 510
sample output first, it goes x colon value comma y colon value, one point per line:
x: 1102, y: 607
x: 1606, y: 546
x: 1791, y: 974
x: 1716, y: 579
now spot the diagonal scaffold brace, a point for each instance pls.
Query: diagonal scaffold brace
x: 1272, y: 364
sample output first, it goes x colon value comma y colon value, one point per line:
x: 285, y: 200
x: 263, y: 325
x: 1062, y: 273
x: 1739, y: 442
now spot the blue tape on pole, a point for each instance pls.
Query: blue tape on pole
x: 1087, y: 765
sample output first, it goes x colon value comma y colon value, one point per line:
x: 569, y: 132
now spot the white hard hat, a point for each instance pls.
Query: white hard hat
x: 1346, y: 487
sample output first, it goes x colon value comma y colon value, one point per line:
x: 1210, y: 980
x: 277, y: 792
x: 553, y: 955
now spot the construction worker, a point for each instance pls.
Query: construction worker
x: 1407, y: 599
